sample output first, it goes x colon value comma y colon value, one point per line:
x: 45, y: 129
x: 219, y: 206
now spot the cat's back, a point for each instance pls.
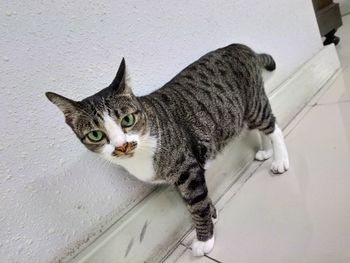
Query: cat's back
x: 227, y: 69
x: 206, y: 100
x: 216, y: 81
x: 217, y: 64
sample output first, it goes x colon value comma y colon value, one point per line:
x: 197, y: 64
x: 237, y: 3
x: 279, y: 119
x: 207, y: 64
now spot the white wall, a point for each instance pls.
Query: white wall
x: 54, y: 194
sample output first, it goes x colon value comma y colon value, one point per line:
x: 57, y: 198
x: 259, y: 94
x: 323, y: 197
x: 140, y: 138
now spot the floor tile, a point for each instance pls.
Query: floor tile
x: 294, y: 123
x: 340, y: 89
x: 325, y: 88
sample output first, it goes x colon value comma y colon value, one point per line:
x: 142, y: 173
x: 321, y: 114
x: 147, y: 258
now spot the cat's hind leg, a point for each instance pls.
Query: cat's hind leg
x: 264, y: 120
x: 280, y: 162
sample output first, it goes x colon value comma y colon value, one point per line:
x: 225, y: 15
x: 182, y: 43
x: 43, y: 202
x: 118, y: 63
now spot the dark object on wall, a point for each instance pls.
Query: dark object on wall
x: 328, y: 19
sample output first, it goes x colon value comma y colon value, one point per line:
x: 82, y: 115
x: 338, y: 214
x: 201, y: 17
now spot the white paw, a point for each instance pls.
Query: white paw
x: 263, y: 155
x: 200, y: 248
x: 280, y: 166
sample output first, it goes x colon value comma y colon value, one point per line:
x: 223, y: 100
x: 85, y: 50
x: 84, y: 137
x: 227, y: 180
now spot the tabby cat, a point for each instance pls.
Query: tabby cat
x: 170, y: 135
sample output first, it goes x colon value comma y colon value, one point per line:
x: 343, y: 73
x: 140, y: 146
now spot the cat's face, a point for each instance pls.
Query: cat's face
x: 111, y: 122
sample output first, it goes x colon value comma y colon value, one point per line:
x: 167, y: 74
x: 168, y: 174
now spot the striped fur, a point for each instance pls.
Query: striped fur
x: 192, y: 117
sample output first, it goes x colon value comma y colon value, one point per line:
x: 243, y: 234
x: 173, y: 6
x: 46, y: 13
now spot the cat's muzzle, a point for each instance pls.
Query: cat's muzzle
x: 126, y: 150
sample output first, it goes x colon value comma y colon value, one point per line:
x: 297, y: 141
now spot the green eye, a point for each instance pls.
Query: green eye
x: 128, y: 121
x: 95, y: 136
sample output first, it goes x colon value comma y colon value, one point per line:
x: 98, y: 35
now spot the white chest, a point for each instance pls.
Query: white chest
x: 140, y: 165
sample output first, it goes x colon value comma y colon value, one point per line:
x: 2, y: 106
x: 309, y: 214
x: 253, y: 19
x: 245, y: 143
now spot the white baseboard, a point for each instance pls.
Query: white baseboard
x: 152, y: 228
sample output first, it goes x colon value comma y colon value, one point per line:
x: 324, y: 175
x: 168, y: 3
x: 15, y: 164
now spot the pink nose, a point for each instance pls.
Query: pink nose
x: 118, y: 143
x: 126, y: 147
x: 122, y: 148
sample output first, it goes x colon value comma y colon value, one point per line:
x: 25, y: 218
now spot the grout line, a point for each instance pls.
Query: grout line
x: 188, y: 248
x: 310, y: 107
x: 326, y: 86
x: 244, y: 175
x: 295, y: 124
x: 179, y: 256
x: 243, y: 180
x: 184, y: 245
x: 331, y: 103
x: 213, y: 259
x: 171, y: 252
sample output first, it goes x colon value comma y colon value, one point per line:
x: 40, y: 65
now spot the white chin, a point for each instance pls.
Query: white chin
x: 126, y: 156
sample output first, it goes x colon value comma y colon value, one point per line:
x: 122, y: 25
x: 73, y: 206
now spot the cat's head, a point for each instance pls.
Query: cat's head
x: 107, y: 121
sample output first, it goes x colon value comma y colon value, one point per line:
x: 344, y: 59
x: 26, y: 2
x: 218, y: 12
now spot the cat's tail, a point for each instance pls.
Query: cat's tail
x: 266, y: 61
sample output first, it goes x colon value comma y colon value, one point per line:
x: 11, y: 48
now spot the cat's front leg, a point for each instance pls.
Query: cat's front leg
x: 193, y: 189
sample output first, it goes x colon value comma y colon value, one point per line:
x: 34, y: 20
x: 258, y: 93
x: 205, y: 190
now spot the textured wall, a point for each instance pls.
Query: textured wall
x: 54, y: 195
x: 344, y: 6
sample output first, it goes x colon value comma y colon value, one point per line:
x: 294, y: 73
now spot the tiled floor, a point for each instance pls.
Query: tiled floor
x: 303, y: 215
x: 344, y: 44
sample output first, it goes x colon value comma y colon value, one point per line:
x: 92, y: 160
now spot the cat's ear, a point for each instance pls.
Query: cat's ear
x: 119, y: 84
x: 70, y: 108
